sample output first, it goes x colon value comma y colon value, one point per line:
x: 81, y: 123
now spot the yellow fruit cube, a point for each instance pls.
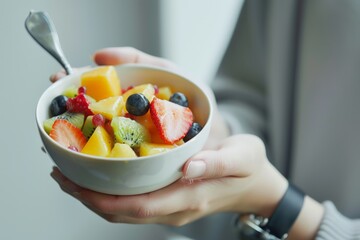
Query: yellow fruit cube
x: 148, y: 149
x: 146, y: 89
x: 99, y: 144
x: 164, y: 93
x: 121, y: 150
x: 108, y: 107
x: 102, y: 82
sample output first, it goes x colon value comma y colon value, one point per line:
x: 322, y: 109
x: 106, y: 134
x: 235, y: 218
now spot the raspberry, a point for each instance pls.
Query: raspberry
x: 79, y: 104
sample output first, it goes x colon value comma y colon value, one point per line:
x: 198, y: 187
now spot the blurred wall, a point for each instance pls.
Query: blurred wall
x: 191, y: 33
x: 195, y: 33
x: 31, y: 204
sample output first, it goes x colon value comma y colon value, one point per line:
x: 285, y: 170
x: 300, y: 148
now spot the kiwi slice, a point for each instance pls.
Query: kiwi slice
x: 75, y: 118
x: 129, y: 131
x: 88, y: 127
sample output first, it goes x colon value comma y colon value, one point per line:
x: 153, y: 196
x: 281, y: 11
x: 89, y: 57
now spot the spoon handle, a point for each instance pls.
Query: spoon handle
x: 41, y: 28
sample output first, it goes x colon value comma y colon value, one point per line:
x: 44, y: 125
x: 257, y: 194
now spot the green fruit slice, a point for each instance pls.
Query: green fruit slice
x: 129, y: 131
x: 88, y: 128
x: 75, y: 118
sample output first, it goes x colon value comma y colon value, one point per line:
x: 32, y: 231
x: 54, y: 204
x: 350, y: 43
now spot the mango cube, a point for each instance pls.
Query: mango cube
x: 101, y: 83
x: 148, y: 149
x: 121, y: 150
x: 108, y: 107
x: 99, y: 144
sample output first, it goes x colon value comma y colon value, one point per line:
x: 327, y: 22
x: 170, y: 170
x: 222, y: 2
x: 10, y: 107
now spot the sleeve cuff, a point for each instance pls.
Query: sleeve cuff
x: 336, y: 226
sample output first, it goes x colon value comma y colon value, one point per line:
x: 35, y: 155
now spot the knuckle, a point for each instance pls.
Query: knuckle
x: 143, y: 211
x: 259, y: 149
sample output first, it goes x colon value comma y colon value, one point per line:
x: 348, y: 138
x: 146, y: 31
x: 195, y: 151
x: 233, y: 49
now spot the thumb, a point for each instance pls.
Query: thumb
x: 239, y: 157
x: 123, y: 55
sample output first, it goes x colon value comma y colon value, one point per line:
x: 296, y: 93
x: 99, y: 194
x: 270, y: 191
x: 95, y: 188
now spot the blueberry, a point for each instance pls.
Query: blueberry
x: 58, y: 105
x: 193, y: 131
x: 179, y: 98
x: 137, y: 104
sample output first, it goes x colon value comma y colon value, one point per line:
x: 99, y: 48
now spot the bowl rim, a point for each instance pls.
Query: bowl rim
x: 129, y: 65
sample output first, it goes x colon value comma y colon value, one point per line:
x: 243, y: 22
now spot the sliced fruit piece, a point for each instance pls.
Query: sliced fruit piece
x: 129, y: 131
x: 67, y: 135
x: 148, y: 149
x: 121, y: 150
x: 71, y: 92
x: 79, y: 104
x: 164, y: 93
x: 101, y: 83
x: 144, y: 120
x: 145, y: 89
x: 108, y: 107
x: 75, y: 118
x: 99, y: 144
x: 172, y: 120
x: 88, y: 127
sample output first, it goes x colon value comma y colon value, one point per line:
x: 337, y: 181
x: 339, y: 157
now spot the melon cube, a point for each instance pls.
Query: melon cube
x: 99, y: 144
x: 101, y: 83
x: 108, y: 107
x: 121, y: 150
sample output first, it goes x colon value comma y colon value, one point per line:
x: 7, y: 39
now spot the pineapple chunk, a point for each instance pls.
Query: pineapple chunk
x: 164, y: 93
x: 101, y: 83
x: 108, y: 107
x: 99, y: 144
x: 148, y: 149
x: 122, y: 150
x: 146, y: 89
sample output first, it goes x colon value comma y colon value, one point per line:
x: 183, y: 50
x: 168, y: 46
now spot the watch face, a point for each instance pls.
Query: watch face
x: 249, y: 233
x: 249, y: 230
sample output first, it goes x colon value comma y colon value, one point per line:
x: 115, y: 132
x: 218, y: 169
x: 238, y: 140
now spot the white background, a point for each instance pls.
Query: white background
x: 192, y: 33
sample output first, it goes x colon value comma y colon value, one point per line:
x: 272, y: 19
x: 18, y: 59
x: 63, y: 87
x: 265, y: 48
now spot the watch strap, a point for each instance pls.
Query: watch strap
x: 286, y: 212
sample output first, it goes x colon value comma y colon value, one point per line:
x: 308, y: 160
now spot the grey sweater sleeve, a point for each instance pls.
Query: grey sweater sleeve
x: 335, y: 226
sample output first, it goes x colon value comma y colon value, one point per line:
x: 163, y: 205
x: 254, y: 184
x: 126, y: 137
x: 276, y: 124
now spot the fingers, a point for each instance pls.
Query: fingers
x: 137, y: 208
x: 239, y: 156
x: 123, y: 55
x: 56, y: 76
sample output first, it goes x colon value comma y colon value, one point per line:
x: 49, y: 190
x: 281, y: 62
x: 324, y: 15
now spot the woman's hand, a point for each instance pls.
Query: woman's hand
x: 234, y: 177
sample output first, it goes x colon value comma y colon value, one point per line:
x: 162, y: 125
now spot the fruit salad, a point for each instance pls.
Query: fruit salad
x: 102, y: 119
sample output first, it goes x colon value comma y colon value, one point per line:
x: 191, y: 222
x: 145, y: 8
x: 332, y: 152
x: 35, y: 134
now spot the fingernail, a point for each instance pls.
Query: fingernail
x: 195, y: 169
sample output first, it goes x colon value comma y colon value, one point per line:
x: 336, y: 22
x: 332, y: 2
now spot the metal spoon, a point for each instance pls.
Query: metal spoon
x: 41, y: 28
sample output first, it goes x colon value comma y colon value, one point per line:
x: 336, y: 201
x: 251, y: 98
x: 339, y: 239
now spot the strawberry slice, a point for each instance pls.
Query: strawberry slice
x: 172, y: 120
x: 79, y: 104
x: 67, y: 135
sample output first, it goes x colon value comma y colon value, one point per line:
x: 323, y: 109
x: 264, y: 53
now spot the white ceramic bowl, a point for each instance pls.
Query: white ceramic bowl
x: 128, y: 176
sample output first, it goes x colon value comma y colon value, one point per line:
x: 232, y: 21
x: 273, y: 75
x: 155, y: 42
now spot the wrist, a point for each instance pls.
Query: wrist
x: 270, y: 188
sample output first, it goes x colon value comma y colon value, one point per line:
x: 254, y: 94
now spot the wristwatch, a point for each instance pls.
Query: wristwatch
x: 253, y: 227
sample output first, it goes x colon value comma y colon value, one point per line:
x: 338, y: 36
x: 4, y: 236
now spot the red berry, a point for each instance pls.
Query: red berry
x: 82, y: 90
x: 98, y: 120
x: 127, y: 89
x: 128, y: 115
x: 79, y: 104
